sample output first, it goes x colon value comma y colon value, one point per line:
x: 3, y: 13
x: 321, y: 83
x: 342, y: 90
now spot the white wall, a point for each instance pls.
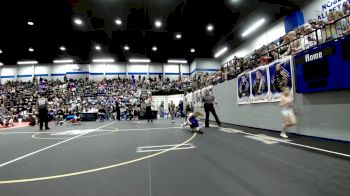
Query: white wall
x: 275, y: 31
x: 207, y: 65
x: 113, y: 70
x: 25, y: 73
x: 94, y: 71
x: 42, y: 71
x: 193, y: 67
x: 58, y: 71
x: 8, y: 72
x: 172, y: 71
x: 97, y: 71
x: 318, y: 9
x: 136, y: 69
x: 185, y: 69
x: 155, y: 69
x: 77, y: 71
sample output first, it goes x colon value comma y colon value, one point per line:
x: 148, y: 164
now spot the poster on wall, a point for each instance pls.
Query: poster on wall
x: 243, y: 88
x: 259, y: 87
x: 280, y: 78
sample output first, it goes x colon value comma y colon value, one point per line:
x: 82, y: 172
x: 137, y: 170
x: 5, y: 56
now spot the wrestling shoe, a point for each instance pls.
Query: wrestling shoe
x: 284, y: 135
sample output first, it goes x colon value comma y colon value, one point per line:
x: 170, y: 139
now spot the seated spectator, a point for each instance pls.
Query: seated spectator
x: 273, y: 55
x: 285, y: 49
x: 308, y: 37
x: 295, y: 45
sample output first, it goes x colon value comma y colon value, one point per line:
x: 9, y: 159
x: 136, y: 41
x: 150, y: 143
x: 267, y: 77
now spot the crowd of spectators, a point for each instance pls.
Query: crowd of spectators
x: 74, y: 96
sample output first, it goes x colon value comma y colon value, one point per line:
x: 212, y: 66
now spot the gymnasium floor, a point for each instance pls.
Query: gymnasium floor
x: 160, y: 159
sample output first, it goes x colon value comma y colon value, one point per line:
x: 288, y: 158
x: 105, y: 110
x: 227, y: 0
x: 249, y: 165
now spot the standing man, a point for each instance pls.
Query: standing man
x: 172, y: 111
x: 117, y: 108
x: 42, y: 105
x: 148, y: 105
x: 208, y: 100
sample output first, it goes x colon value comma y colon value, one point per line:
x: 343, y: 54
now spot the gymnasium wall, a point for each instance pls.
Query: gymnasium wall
x: 193, y: 67
x: 93, y: 71
x: 322, y: 114
x: 275, y: 31
x: 23, y: 73
x: 172, y: 71
x: 204, y: 65
x: 155, y: 69
x: 114, y: 70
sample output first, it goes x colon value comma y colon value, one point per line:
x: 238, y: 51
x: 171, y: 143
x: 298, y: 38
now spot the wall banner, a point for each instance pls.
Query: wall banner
x: 265, y: 83
x: 280, y: 77
x: 243, y: 88
x: 260, y: 85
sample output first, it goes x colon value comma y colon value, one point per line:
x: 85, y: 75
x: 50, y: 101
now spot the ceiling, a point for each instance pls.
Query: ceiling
x: 54, y: 27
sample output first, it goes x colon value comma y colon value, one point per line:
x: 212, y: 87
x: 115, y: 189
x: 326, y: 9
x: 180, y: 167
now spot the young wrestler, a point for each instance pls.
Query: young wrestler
x: 193, y: 122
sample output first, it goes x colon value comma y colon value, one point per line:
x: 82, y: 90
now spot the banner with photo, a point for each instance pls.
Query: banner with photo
x: 280, y: 77
x: 243, y: 88
x: 260, y: 84
x: 265, y: 83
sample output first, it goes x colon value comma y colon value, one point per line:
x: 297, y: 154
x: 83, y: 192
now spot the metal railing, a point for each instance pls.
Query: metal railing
x: 320, y: 35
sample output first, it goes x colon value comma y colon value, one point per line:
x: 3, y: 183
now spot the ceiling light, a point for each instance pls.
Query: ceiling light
x: 118, y: 21
x: 78, y: 21
x: 30, y: 23
x: 176, y: 61
x: 1, y: 64
x: 221, y: 52
x: 0, y: 51
x: 193, y: 50
x: 97, y: 47
x: 126, y: 48
x: 27, y: 62
x: 64, y: 61
x: 31, y: 49
x: 210, y: 27
x: 62, y: 48
x: 139, y: 60
x: 154, y: 48
x: 253, y: 27
x: 178, y: 36
x: 158, y: 23
x: 103, y: 60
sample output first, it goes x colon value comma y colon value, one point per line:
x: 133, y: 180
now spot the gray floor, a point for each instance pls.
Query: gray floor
x: 221, y: 164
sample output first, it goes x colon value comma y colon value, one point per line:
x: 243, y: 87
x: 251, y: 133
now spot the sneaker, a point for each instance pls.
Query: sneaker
x: 200, y: 132
x: 172, y: 121
x: 284, y: 135
x: 182, y: 126
x: 47, y: 128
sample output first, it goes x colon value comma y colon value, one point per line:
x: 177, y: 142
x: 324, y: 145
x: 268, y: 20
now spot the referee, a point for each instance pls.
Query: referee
x: 148, y: 105
x: 42, y: 104
x: 208, y: 100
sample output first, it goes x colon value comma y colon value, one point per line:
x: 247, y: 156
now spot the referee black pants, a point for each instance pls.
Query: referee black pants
x: 149, y: 114
x: 209, y: 107
x: 43, y: 118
